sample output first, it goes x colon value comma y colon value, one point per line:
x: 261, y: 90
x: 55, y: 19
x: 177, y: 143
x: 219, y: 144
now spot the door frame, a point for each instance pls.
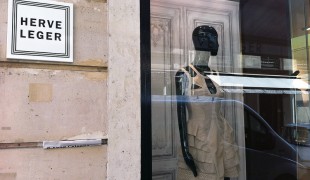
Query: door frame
x: 145, y: 70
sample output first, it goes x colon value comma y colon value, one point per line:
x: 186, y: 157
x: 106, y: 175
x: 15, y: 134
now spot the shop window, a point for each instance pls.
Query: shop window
x: 230, y: 89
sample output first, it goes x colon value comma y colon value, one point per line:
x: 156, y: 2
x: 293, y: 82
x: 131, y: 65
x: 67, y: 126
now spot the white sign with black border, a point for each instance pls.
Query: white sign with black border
x: 40, y: 30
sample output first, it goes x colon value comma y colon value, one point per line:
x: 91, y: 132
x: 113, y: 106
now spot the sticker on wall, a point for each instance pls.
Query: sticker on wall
x: 40, y: 30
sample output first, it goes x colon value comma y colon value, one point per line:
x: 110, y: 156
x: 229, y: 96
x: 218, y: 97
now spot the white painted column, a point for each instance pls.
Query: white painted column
x: 124, y: 111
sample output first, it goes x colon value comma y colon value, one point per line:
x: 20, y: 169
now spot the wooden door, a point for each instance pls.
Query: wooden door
x: 165, y: 42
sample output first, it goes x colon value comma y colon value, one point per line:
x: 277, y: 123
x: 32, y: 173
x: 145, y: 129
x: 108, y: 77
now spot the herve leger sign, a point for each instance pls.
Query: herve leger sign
x: 40, y: 30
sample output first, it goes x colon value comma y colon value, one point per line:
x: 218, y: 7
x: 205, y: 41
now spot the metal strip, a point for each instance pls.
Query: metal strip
x: 40, y: 144
x: 53, y: 66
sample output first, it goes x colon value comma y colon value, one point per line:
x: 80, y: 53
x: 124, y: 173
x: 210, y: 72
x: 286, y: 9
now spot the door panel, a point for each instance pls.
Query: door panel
x: 164, y: 48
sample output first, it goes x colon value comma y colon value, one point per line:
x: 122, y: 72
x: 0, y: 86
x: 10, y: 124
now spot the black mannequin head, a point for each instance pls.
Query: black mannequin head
x: 205, y: 39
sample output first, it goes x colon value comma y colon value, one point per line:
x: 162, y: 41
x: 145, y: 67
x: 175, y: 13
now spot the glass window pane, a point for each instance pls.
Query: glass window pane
x: 230, y: 89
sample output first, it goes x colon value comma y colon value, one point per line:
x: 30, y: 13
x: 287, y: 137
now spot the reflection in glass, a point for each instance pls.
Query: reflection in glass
x: 230, y: 89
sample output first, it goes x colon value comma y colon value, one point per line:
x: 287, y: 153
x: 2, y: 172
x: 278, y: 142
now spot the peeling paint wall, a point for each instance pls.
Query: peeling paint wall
x: 38, y: 105
x: 42, y: 101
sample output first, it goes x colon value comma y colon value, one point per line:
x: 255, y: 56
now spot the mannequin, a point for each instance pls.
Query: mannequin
x: 206, y: 137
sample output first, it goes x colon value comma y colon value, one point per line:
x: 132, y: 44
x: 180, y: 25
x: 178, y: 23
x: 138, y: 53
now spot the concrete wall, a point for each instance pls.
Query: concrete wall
x: 87, y: 163
x: 124, y: 150
x: 48, y: 101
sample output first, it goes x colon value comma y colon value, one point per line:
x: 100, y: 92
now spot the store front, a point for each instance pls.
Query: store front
x: 230, y: 89
x: 155, y: 89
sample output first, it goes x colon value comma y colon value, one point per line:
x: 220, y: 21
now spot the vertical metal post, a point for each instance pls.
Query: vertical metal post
x: 146, y: 121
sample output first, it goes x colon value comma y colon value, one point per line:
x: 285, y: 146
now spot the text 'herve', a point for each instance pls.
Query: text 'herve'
x: 41, y: 23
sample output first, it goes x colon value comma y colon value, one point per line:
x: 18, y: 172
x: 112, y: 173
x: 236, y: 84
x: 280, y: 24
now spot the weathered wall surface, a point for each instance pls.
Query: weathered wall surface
x: 38, y: 104
x: 55, y: 101
x: 124, y: 90
x: 67, y: 164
